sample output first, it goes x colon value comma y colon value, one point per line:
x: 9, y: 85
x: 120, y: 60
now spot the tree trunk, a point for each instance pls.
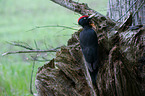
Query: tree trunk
x: 117, y: 10
x: 121, y: 56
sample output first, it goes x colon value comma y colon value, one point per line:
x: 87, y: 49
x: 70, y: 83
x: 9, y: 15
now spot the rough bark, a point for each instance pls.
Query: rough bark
x: 119, y: 51
x: 117, y: 10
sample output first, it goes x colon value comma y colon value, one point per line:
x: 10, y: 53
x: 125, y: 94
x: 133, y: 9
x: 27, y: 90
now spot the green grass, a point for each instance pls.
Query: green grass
x: 18, y: 16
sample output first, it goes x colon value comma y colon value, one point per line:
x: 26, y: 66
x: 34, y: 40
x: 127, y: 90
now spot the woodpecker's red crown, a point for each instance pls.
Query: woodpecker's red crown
x: 82, y: 17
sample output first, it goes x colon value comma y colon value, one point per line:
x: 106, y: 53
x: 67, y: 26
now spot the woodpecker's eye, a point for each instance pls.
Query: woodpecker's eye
x: 84, y: 17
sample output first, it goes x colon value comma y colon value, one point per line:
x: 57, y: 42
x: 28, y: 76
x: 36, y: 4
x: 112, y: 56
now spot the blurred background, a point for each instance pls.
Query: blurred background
x: 17, y: 18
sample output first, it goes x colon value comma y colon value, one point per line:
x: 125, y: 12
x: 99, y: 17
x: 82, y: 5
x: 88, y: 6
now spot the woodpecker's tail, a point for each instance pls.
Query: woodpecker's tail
x: 93, y: 75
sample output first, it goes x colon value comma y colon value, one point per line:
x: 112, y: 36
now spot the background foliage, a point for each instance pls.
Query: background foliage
x: 19, y: 16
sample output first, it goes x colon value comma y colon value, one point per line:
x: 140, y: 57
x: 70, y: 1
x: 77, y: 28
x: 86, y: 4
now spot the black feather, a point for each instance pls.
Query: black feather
x: 89, y: 45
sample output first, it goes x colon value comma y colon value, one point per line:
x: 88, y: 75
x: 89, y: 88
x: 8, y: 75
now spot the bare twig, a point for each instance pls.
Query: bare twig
x: 29, y: 51
x: 21, y: 44
x: 31, y: 91
x: 36, y: 45
x: 37, y: 27
x: 41, y: 60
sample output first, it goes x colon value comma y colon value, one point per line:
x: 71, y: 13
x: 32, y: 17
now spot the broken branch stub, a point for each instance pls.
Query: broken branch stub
x: 68, y: 78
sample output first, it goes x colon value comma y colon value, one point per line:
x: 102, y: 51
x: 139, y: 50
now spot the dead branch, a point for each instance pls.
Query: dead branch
x: 31, y: 79
x: 75, y: 6
x: 83, y: 9
x: 59, y: 26
x: 21, y: 44
x: 29, y: 51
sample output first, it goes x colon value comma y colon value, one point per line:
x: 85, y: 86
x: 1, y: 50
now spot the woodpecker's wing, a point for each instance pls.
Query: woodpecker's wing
x: 89, y: 45
x: 91, y: 58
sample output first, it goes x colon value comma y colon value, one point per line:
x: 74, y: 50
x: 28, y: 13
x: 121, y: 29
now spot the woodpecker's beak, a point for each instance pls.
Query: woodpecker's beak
x: 91, y: 23
x: 91, y: 16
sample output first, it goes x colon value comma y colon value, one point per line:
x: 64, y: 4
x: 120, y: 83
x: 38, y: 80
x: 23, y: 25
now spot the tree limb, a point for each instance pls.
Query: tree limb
x: 80, y: 8
x: 83, y: 9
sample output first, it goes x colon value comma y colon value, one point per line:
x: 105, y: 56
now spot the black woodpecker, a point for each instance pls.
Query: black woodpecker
x: 89, y: 46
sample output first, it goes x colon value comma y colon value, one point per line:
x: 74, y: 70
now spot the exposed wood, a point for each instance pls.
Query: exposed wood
x: 66, y: 80
x: 119, y: 53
